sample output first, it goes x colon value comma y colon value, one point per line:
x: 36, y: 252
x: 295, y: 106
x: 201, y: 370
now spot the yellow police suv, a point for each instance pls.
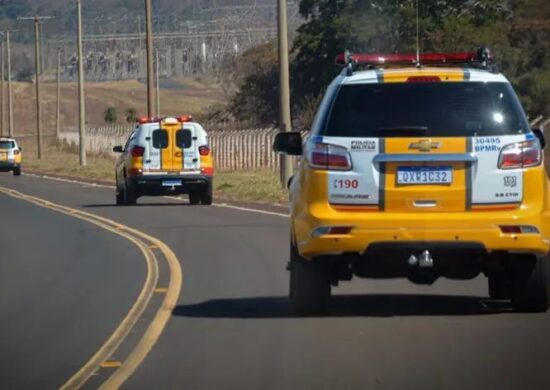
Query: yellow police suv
x: 419, y: 167
x: 165, y: 156
x: 10, y: 156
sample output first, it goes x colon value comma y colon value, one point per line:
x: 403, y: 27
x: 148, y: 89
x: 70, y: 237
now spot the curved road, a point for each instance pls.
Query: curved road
x: 64, y: 287
x: 232, y: 327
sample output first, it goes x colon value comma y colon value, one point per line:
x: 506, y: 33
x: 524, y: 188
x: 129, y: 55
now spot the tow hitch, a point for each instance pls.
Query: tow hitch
x: 425, y: 260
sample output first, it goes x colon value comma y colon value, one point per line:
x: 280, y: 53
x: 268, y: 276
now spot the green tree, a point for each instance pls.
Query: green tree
x: 256, y: 100
x: 130, y: 115
x: 110, y: 115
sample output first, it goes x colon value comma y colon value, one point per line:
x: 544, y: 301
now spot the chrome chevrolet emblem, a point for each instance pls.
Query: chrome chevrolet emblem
x: 425, y: 145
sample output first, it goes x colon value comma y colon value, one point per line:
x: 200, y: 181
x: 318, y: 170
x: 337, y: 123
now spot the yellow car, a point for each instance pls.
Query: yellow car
x: 419, y: 168
x: 10, y: 156
x: 165, y: 156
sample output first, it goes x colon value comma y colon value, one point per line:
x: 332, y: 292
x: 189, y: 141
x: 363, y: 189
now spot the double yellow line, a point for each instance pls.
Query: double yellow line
x: 146, y: 244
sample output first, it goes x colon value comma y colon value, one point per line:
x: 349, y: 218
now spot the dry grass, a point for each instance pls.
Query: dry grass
x: 187, y: 96
x: 255, y: 186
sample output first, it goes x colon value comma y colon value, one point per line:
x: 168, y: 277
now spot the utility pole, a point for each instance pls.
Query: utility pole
x: 284, y: 88
x: 3, y: 95
x: 81, y: 111
x: 6, y: 33
x: 37, y: 67
x: 149, y: 49
x: 58, y: 105
x: 157, y: 80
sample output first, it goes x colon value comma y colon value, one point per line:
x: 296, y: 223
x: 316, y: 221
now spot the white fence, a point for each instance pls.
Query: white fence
x: 233, y: 150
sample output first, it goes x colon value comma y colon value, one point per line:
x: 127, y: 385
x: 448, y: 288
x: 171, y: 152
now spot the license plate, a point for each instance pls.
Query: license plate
x: 3, y: 156
x: 424, y: 175
x: 171, y: 183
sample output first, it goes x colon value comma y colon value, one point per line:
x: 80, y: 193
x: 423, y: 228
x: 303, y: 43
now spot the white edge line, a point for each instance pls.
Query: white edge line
x: 223, y: 205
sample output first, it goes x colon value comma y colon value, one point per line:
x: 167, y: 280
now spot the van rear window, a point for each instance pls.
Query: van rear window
x: 184, y: 138
x: 426, y: 109
x: 160, y: 139
x: 7, y: 145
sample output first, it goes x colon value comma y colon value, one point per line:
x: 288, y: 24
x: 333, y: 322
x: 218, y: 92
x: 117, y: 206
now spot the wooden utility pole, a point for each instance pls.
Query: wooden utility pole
x: 149, y: 49
x: 58, y: 105
x: 81, y: 110
x: 157, y: 80
x: 37, y: 68
x: 2, y: 94
x: 284, y: 87
x: 10, y: 93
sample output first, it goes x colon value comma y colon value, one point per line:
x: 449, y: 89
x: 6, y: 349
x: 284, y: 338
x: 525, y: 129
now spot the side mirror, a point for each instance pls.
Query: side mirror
x: 20, y: 149
x: 289, y: 142
x: 540, y: 135
x: 118, y: 149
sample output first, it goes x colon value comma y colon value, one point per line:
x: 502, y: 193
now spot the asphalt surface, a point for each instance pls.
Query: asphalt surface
x: 64, y: 287
x: 233, y: 328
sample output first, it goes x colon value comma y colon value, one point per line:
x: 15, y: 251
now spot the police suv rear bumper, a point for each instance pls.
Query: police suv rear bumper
x: 169, y: 184
x: 484, y: 229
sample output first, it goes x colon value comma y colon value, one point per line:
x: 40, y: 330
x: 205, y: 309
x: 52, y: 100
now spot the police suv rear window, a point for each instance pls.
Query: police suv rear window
x: 7, y: 144
x: 426, y: 109
x: 160, y: 139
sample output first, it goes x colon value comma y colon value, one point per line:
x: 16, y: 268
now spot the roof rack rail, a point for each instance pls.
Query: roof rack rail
x: 481, y: 58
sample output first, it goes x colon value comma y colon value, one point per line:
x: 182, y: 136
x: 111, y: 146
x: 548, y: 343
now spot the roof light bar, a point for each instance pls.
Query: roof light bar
x: 181, y: 119
x: 481, y: 56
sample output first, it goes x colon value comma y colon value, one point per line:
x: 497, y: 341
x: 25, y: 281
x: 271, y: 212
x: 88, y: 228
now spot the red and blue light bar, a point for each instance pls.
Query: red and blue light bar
x: 475, y: 57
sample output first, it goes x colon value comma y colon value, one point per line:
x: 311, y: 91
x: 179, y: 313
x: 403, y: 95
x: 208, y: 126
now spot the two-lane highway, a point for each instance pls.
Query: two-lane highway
x: 232, y: 327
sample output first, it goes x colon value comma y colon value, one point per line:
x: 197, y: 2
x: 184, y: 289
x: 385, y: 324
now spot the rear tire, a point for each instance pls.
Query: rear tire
x: 531, y: 290
x: 129, y: 196
x: 17, y: 171
x: 500, y: 287
x: 309, y: 284
x: 119, y: 197
x: 194, y: 198
x: 206, y: 196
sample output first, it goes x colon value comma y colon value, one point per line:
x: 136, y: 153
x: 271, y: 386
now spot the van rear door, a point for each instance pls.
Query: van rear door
x: 186, y: 142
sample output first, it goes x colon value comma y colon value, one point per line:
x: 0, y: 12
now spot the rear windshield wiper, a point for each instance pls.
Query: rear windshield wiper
x: 406, y: 130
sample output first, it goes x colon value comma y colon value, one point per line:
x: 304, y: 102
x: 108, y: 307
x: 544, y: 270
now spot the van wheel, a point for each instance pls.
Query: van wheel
x: 531, y: 290
x: 194, y: 198
x: 129, y: 196
x: 206, y: 196
x: 309, y: 284
x: 119, y: 197
x: 500, y: 287
x: 17, y: 171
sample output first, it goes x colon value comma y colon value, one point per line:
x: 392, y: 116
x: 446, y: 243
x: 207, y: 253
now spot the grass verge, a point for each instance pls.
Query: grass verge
x: 260, y: 186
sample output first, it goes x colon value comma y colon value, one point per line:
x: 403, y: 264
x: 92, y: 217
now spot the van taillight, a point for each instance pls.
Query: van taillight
x: 520, y: 155
x: 204, y: 150
x: 328, y: 157
x: 138, y: 151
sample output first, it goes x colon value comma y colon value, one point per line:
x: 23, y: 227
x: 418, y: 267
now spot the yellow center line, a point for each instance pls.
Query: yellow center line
x: 158, y: 323
x: 111, y: 364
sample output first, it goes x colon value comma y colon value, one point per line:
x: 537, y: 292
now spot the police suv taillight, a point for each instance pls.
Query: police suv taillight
x: 520, y: 155
x: 328, y: 157
x: 137, y: 151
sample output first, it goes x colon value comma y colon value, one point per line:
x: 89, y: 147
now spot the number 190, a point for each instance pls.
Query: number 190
x: 346, y: 183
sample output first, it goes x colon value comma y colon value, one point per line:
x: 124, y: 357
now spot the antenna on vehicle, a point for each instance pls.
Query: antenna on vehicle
x: 417, y: 36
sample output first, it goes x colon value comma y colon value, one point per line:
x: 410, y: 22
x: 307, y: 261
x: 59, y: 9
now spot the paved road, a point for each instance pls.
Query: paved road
x: 233, y: 329
x: 64, y: 287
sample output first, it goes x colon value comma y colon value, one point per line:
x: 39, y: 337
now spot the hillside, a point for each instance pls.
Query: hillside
x: 184, y: 97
